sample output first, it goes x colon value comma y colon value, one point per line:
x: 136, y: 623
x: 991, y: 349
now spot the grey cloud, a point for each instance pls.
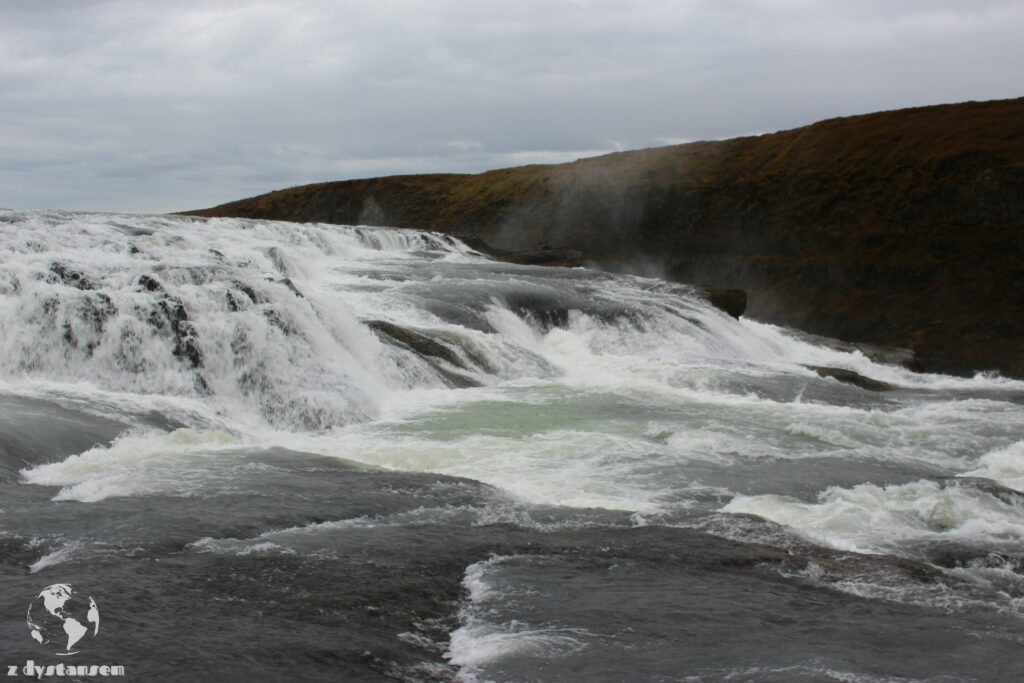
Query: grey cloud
x: 143, y: 107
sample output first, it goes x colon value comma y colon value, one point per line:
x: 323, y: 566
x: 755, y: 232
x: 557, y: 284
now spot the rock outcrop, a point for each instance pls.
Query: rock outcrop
x: 428, y: 349
x: 732, y: 301
x: 901, y: 228
x: 850, y: 377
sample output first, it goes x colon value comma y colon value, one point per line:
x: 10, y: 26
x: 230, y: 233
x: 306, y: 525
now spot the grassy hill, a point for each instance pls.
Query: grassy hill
x: 903, y: 227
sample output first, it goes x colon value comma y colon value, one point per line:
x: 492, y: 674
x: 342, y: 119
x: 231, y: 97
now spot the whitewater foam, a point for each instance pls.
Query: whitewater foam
x: 479, y: 641
x: 586, y: 389
x: 874, y: 518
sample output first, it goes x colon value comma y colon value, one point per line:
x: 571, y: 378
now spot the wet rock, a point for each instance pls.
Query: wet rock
x: 545, y: 255
x: 187, y: 348
x: 97, y: 310
x: 1002, y: 493
x: 732, y: 301
x: 287, y: 282
x: 134, y: 230
x: 174, y: 311
x: 891, y: 355
x: 278, y: 259
x: 92, y: 311
x: 247, y: 290
x: 474, y: 242
x: 958, y: 555
x: 171, y: 314
x: 877, y: 353
x: 280, y: 321
x: 60, y: 272
x: 150, y: 283
x: 186, y: 344
x: 562, y: 258
x: 421, y: 344
x: 454, y: 379
x: 235, y: 300
x: 545, y: 309
x: 428, y: 349
x: 850, y: 377
x: 550, y: 309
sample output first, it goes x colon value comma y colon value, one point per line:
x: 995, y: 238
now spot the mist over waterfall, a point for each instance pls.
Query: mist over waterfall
x: 382, y: 449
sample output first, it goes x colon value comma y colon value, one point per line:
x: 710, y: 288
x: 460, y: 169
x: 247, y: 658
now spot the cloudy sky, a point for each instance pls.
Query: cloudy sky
x: 161, y: 106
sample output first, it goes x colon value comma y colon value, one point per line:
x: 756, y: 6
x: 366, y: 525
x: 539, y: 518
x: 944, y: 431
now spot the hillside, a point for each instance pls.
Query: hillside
x: 900, y: 227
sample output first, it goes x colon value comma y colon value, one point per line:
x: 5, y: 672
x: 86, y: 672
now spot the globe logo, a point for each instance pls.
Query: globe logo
x: 59, y: 617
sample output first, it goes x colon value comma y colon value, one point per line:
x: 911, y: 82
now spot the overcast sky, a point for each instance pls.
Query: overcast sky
x: 126, y: 105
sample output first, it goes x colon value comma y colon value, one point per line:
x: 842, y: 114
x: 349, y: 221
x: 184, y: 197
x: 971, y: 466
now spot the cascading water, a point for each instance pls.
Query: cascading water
x: 387, y: 456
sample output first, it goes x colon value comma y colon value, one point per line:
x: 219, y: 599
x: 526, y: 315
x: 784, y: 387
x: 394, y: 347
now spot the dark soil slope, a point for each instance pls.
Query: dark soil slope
x: 900, y: 227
